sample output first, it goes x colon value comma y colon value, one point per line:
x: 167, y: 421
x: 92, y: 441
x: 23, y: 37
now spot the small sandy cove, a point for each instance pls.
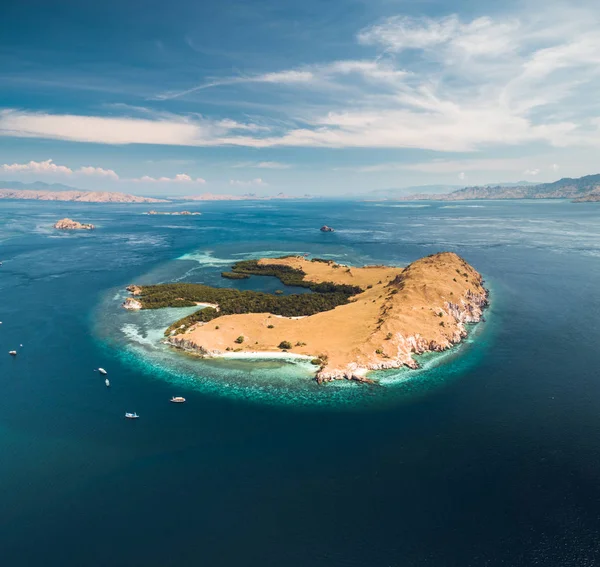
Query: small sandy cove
x: 401, y: 312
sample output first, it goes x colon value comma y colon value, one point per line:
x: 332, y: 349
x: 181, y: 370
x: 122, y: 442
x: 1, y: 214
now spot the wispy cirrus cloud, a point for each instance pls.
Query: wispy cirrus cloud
x: 262, y: 165
x: 457, y: 166
x: 286, y: 77
x: 258, y: 182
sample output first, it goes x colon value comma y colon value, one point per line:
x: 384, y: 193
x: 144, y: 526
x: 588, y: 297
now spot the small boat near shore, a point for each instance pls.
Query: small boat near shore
x: 177, y: 400
x: 107, y: 382
x: 102, y: 371
x: 12, y: 352
x: 131, y: 415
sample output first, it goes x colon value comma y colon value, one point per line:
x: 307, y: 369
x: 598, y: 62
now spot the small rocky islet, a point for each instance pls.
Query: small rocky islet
x: 70, y: 224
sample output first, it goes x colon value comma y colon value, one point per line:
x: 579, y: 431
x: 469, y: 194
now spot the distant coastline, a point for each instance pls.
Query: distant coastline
x: 76, y: 196
x: 581, y: 190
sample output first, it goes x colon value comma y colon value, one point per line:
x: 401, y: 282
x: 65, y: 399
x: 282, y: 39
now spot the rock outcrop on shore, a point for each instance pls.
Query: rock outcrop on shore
x: 70, y: 224
x: 402, y: 312
x: 134, y: 289
x: 132, y: 304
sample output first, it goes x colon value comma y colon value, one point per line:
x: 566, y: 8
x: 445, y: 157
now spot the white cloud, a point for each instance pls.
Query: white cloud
x: 481, y: 36
x: 285, y: 77
x: 555, y: 167
x: 262, y: 165
x: 90, y: 170
x: 448, y: 166
x: 462, y: 175
x: 47, y: 166
x: 531, y: 172
x: 448, y: 84
x: 249, y: 183
x: 178, y: 178
x: 402, y: 32
x: 272, y: 165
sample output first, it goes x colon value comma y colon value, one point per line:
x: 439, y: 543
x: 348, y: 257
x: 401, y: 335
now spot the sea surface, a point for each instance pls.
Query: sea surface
x: 489, y: 455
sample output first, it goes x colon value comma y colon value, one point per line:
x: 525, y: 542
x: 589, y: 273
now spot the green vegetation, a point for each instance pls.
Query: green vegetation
x: 285, y: 345
x: 239, y: 340
x: 270, y: 326
x: 325, y: 296
x: 234, y: 276
x: 233, y: 301
x: 322, y: 261
x: 291, y: 276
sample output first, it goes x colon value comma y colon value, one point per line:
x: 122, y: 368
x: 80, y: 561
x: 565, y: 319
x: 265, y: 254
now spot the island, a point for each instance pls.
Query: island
x: 70, y: 224
x: 172, y: 213
x: 326, y: 228
x: 356, y: 319
x: 76, y: 195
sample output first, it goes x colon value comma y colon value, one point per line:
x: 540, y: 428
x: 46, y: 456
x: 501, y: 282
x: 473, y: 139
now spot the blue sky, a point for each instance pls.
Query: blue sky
x: 320, y: 96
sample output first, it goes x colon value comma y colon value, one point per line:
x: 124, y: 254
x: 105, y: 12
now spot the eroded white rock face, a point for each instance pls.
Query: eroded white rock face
x: 132, y: 304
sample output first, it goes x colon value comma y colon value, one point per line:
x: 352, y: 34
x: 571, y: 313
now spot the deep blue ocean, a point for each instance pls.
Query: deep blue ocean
x: 489, y: 455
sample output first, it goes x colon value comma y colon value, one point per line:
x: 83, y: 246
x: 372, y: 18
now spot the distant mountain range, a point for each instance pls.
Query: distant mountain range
x: 582, y: 189
x: 401, y: 192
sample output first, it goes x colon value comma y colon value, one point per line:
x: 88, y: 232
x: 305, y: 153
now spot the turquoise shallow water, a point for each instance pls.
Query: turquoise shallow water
x: 487, y: 456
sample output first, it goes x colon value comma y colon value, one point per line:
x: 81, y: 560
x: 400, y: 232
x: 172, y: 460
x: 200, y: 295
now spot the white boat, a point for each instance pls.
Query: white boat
x: 107, y: 382
x: 177, y: 400
x: 102, y: 371
x: 131, y: 415
x: 12, y: 352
